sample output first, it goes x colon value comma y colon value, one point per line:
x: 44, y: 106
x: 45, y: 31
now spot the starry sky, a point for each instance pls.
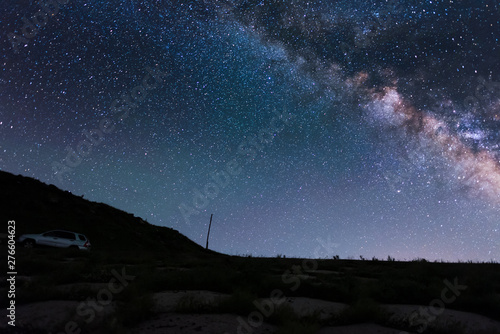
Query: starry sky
x: 311, y: 129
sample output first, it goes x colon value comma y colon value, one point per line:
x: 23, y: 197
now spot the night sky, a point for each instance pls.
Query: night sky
x: 308, y: 129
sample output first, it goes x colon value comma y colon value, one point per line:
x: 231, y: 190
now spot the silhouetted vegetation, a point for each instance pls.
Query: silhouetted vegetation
x: 161, y: 259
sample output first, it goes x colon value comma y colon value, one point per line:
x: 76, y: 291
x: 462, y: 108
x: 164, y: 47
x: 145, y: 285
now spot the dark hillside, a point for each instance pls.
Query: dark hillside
x: 37, y: 207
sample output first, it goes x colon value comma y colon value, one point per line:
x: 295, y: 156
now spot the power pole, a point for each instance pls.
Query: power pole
x: 208, y: 234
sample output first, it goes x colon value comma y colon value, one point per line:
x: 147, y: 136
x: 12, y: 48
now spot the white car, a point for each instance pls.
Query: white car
x: 56, y: 238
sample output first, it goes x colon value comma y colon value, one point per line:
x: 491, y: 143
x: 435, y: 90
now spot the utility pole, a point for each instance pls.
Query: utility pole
x: 208, y: 234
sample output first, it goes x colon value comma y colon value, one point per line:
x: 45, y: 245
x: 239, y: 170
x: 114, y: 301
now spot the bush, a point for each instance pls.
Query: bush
x: 191, y: 303
x: 240, y: 302
x: 134, y: 309
x: 291, y: 323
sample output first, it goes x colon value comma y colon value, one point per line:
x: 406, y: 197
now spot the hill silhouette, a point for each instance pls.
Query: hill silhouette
x: 37, y: 207
x: 177, y: 284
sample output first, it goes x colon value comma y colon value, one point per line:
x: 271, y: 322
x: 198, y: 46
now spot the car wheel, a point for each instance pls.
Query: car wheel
x: 29, y: 243
x: 74, y: 247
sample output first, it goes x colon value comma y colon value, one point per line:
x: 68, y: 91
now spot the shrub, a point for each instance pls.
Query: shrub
x: 363, y: 310
x: 191, y: 303
x: 240, y: 302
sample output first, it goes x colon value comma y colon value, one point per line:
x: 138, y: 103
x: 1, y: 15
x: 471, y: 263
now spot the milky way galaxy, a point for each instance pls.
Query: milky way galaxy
x: 479, y: 171
x: 308, y: 129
